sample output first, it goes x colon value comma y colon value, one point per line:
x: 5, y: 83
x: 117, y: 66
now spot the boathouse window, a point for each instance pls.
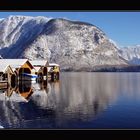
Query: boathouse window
x: 5, y: 76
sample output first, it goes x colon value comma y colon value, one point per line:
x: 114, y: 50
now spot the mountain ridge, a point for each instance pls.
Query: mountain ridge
x: 131, y: 54
x: 72, y: 44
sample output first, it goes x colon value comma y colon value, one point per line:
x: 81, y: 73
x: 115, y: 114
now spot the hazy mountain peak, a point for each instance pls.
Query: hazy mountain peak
x: 131, y: 54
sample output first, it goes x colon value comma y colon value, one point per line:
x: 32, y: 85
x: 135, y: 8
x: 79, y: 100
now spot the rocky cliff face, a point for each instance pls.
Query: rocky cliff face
x: 72, y: 44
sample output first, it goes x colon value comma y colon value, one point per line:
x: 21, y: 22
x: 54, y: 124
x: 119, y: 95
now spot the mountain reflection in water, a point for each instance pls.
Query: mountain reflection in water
x: 76, y: 101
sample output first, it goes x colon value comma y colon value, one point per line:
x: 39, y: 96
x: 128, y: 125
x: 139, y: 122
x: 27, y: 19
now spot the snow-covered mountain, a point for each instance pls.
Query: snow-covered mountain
x: 72, y: 44
x: 131, y: 54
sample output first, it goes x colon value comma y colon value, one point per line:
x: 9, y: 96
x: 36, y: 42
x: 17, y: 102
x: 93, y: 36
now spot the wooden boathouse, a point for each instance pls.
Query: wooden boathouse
x: 41, y: 68
x: 7, y: 76
x: 53, y: 71
x: 19, y: 66
x: 14, y: 70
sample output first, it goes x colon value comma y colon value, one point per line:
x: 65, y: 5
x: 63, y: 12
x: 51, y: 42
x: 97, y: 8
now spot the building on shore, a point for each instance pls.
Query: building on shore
x: 41, y: 68
x: 7, y: 75
x: 20, y: 67
x: 53, y: 71
x: 24, y: 70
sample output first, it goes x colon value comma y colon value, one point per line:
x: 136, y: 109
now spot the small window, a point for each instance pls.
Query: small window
x: 5, y: 75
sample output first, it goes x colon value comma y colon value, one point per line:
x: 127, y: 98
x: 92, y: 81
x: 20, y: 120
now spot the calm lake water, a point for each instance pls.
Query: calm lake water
x: 78, y: 100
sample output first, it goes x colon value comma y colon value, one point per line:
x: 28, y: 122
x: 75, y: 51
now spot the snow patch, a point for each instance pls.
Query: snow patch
x: 108, y: 52
x: 114, y: 42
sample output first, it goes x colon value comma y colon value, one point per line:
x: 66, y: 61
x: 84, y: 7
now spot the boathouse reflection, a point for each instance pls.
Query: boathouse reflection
x: 25, y: 89
x: 16, y: 107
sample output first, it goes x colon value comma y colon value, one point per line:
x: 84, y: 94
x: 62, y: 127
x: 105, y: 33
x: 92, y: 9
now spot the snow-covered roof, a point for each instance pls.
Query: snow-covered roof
x: 14, y: 63
x: 53, y: 64
x: 39, y: 62
x: 3, y: 67
x: 36, y: 68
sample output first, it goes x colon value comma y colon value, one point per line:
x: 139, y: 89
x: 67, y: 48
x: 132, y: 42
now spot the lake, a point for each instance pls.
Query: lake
x: 77, y: 100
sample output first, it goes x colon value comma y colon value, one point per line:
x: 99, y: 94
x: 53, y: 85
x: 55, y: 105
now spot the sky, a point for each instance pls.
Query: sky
x: 121, y: 27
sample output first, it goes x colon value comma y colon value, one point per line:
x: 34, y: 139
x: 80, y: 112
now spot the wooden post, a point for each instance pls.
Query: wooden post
x: 57, y: 75
x: 13, y: 80
x: 52, y: 76
x: 8, y: 78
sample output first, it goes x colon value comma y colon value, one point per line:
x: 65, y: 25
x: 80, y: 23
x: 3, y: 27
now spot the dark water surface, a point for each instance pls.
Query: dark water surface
x: 78, y: 100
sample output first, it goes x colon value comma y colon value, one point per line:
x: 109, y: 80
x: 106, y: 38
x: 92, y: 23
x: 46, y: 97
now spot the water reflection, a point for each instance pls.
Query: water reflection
x: 16, y: 107
x: 75, y: 100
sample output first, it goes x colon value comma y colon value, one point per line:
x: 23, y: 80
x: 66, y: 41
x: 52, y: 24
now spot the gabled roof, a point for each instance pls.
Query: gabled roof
x: 14, y: 63
x: 3, y: 67
x: 39, y: 62
x: 51, y: 65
